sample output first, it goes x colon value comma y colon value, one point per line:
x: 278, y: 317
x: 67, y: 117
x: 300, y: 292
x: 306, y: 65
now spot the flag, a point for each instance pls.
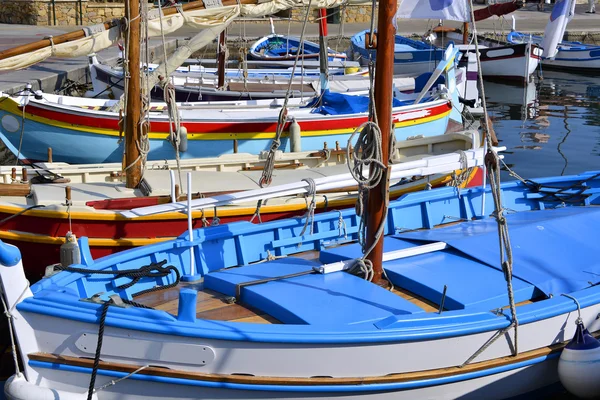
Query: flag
x: 456, y: 10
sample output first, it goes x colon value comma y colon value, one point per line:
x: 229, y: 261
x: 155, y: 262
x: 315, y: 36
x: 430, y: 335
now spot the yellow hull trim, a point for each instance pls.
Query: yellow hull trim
x: 134, y: 242
x: 12, y: 107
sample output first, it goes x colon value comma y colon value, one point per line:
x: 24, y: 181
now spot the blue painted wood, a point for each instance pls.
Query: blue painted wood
x: 316, y: 299
x: 60, y: 295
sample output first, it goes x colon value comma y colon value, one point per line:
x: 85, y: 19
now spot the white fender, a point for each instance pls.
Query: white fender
x: 17, y: 388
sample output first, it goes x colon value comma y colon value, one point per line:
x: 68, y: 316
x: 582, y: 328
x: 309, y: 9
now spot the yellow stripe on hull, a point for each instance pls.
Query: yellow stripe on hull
x: 223, y: 212
x: 9, y: 105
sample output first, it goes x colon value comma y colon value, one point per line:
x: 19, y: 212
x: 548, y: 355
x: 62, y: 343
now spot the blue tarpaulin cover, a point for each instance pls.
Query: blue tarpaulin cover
x: 331, y: 103
x: 556, y: 250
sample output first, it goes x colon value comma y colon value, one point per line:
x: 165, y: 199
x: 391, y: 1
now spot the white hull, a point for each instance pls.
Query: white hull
x: 574, y: 60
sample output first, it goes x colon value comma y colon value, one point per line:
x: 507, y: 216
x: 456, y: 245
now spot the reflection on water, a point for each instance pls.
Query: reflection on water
x: 550, y: 127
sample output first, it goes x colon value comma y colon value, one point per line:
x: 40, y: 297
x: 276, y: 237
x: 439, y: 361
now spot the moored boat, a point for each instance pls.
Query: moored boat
x: 502, y: 61
x: 87, y: 130
x: 276, y: 47
x: 235, y: 334
x: 570, y: 56
x: 410, y: 56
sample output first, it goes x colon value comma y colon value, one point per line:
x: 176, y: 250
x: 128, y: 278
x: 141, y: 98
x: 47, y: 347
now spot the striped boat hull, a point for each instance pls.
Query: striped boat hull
x: 91, y: 135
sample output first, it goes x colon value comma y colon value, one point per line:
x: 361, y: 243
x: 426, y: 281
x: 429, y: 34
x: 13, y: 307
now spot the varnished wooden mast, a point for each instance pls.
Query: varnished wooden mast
x: 221, y: 59
x: 134, y: 96
x: 384, y: 73
x: 323, y: 50
x: 71, y: 36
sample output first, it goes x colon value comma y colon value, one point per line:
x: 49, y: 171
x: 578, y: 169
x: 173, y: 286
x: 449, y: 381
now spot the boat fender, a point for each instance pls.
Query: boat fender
x: 18, y: 388
x: 69, y: 251
x: 579, y: 364
x: 295, y: 136
x: 183, y: 139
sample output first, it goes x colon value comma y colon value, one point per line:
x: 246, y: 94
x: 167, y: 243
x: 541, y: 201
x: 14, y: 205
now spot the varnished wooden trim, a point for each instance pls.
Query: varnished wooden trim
x: 295, y: 381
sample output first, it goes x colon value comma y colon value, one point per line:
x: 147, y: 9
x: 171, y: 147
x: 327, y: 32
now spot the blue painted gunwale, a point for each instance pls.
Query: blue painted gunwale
x: 377, y: 387
x: 421, y: 51
x: 421, y: 209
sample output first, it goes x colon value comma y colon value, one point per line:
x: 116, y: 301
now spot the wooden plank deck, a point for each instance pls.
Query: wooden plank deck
x: 209, y: 305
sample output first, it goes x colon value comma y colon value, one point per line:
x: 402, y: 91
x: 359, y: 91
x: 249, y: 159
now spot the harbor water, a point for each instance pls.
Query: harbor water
x: 551, y: 127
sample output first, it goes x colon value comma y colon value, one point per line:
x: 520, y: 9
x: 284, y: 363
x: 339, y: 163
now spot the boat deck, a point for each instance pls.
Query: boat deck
x: 212, y: 305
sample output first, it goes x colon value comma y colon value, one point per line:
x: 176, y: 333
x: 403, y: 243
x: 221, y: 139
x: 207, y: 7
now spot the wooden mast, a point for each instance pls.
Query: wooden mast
x: 79, y: 34
x: 323, y: 50
x: 384, y: 73
x: 221, y: 58
x: 134, y: 96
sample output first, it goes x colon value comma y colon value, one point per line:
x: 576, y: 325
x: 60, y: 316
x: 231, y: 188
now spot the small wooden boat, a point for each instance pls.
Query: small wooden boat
x: 276, y: 314
x: 276, y: 47
x: 197, y: 83
x: 87, y: 130
x: 37, y: 219
x: 514, y: 62
x: 410, y: 56
x: 571, y: 56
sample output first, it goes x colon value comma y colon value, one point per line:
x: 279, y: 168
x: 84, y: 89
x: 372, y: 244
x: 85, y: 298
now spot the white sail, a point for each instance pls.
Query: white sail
x: 455, y: 10
x: 562, y: 13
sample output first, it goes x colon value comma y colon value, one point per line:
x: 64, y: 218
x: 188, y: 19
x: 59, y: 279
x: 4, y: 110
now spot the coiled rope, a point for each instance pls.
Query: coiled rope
x: 152, y: 270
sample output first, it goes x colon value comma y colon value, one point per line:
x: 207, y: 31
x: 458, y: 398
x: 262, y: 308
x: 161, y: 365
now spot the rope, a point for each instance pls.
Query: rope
x: 5, y: 220
x: 12, y: 335
x: 257, y: 212
x: 367, y: 153
x: 267, y: 175
x: 98, y: 348
x: 342, y: 225
x: 115, y: 381
x: 174, y: 121
x: 492, y: 163
x: 458, y: 180
x: 52, y: 48
x: 152, y: 270
x: 311, y: 191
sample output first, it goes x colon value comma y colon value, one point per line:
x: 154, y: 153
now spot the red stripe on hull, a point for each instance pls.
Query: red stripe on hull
x: 111, y: 123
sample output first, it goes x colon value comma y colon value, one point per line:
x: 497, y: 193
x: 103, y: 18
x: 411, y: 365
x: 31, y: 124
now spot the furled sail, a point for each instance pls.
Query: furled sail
x: 497, y: 10
x: 98, y: 37
x: 562, y: 13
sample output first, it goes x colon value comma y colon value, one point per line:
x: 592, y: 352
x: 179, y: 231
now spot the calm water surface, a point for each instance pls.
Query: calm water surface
x: 551, y: 127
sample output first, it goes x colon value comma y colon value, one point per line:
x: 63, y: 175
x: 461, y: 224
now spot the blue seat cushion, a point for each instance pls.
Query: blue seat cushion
x: 470, y: 283
x: 315, y: 299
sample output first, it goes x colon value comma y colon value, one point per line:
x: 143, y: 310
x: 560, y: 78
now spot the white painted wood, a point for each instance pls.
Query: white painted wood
x: 424, y: 167
x: 387, y: 256
x: 189, y: 223
x: 150, y: 350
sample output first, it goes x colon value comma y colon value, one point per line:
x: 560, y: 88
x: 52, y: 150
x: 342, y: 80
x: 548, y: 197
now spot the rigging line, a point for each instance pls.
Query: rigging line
x: 267, y: 174
x: 492, y: 164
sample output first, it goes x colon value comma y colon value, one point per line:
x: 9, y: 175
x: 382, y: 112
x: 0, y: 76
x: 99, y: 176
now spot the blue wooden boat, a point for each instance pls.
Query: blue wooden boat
x: 410, y: 56
x: 571, y: 56
x: 278, y: 313
x: 276, y: 47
